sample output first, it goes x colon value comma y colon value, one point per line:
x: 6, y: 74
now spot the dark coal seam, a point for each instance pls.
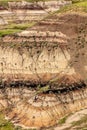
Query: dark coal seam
x: 58, y: 89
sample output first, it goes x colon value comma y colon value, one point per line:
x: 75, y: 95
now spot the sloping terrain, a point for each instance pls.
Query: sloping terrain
x: 70, y: 34
x: 43, y: 72
x: 73, y: 26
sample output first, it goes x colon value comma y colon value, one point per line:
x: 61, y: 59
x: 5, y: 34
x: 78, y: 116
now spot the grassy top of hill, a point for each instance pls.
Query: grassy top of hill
x: 77, y: 6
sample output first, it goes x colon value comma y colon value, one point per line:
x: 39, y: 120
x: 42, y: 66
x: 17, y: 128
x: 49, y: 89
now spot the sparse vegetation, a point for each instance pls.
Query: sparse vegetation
x: 79, y: 6
x: 7, y: 125
x: 63, y: 120
x: 83, y: 120
x: 4, y: 124
x: 14, y: 28
x: 8, y: 31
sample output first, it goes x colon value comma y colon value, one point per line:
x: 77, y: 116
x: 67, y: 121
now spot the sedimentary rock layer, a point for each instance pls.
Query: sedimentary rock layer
x: 25, y: 107
x: 45, y: 58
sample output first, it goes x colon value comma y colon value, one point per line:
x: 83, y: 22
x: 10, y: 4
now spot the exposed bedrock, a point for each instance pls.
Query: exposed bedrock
x: 27, y: 11
x: 44, y: 72
x: 42, y: 64
x: 18, y: 16
x: 35, y: 59
x: 26, y: 108
x: 73, y: 26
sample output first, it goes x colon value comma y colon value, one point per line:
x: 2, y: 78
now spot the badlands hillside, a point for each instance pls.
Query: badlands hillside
x: 43, y: 65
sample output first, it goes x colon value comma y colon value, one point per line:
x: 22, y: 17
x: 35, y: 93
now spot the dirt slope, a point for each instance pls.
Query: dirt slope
x: 74, y: 26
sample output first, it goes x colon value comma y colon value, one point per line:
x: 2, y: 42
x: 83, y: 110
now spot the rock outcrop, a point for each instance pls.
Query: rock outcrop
x: 26, y: 108
x: 26, y: 11
x: 35, y: 53
x: 43, y: 73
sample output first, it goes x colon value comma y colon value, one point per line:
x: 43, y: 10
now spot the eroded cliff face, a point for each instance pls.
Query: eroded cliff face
x: 26, y: 108
x: 74, y: 26
x: 27, y: 11
x: 34, y: 61
x: 39, y: 54
x: 50, y: 61
x: 17, y: 16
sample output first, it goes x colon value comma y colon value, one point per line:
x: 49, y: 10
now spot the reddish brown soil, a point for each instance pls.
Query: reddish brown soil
x: 75, y: 27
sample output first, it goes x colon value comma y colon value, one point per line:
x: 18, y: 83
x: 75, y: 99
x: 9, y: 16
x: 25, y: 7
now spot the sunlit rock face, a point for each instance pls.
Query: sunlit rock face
x: 39, y: 56
x: 20, y: 15
x: 46, y: 62
x: 43, y: 77
x: 26, y: 11
x: 40, y: 5
x: 26, y: 108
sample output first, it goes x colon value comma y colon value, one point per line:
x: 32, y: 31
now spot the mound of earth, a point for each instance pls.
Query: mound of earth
x: 34, y: 49
x: 43, y: 71
x: 74, y: 26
